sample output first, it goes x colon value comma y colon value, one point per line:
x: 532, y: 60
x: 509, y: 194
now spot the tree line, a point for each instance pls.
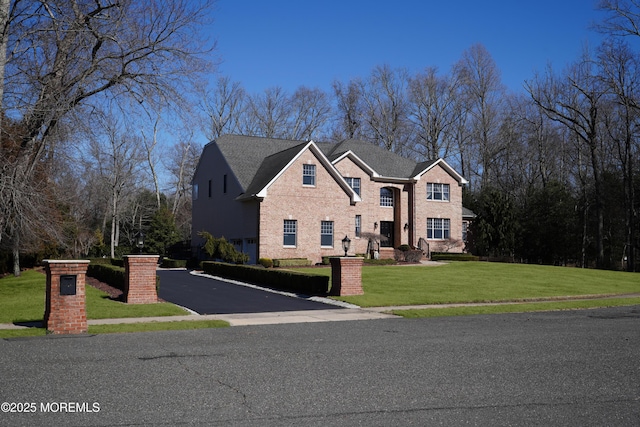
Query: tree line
x: 104, y: 104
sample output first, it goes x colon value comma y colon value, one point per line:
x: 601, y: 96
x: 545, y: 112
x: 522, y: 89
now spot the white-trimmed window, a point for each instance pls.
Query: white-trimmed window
x: 436, y: 191
x: 354, y: 183
x: 326, y: 233
x: 290, y: 232
x: 386, y: 197
x: 308, y: 174
x: 358, y: 225
x: 438, y: 228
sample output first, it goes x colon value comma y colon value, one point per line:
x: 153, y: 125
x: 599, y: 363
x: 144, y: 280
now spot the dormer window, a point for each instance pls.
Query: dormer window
x: 309, y: 175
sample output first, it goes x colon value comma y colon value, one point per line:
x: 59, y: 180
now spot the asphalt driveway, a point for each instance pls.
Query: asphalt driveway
x: 210, y: 296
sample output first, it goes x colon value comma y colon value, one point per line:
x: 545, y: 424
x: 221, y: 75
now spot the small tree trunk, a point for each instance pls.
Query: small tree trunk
x: 16, y: 261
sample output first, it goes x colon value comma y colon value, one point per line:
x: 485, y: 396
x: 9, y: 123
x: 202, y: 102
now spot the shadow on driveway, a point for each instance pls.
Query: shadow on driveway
x: 210, y: 296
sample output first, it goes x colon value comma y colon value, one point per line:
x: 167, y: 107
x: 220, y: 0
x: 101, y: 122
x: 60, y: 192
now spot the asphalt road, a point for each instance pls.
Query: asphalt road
x: 210, y: 296
x: 570, y: 368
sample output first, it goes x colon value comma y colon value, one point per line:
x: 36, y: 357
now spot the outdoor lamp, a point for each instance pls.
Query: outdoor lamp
x: 140, y: 240
x: 346, y: 242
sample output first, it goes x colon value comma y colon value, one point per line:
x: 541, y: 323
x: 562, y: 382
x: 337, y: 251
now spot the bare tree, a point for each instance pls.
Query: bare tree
x: 117, y: 154
x: 349, y: 110
x: 483, y: 93
x: 433, y: 111
x: 309, y: 113
x: 386, y: 109
x: 575, y: 101
x: 182, y: 165
x: 223, y: 107
x: 623, y: 17
x: 69, y: 56
x: 621, y: 73
x: 268, y: 113
x: 150, y: 145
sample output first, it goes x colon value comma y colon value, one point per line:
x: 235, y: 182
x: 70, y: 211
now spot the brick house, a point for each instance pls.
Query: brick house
x: 275, y: 198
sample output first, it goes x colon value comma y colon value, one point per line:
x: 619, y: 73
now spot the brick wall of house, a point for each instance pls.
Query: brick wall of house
x: 215, y: 210
x: 369, y: 208
x: 287, y: 198
x: 439, y: 209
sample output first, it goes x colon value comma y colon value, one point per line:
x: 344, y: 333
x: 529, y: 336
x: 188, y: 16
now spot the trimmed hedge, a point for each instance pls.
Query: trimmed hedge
x: 112, y: 275
x: 173, y: 263
x: 291, y: 262
x: 109, y: 274
x: 387, y: 261
x: 277, y: 279
x: 446, y: 256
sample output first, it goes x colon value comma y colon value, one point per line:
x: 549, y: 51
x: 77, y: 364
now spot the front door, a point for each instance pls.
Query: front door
x: 386, y: 231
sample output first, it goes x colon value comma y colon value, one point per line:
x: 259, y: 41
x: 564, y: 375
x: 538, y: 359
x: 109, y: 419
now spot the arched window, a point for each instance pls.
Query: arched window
x: 386, y: 197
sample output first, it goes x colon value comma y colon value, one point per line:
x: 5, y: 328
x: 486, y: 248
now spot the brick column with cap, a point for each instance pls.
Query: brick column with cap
x: 65, y: 309
x: 140, y: 279
x: 346, y: 276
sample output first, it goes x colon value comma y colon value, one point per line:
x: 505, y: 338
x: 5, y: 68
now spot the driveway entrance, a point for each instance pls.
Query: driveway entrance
x: 210, y: 296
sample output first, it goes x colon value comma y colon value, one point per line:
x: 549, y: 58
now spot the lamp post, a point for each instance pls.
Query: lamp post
x: 346, y: 243
x: 140, y: 240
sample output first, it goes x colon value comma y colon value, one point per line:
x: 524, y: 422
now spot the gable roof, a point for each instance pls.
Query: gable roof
x: 383, y: 162
x: 245, y: 155
x: 422, y: 168
x: 256, y: 161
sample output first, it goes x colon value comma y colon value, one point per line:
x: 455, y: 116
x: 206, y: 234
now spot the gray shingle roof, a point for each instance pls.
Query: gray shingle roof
x: 255, y: 161
x: 247, y: 155
x: 384, y: 162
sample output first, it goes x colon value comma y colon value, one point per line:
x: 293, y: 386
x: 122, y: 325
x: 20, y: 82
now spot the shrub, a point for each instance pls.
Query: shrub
x: 101, y: 260
x: 109, y: 274
x: 277, y: 279
x: 119, y: 262
x: 404, y: 248
x: 413, y: 255
x: 291, y: 262
x: 112, y: 275
x: 219, y: 248
x: 449, y: 256
x: 173, y: 263
x: 379, y: 261
x: 266, y: 262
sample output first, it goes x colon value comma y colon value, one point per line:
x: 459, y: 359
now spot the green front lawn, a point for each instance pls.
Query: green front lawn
x: 460, y: 282
x: 22, y: 299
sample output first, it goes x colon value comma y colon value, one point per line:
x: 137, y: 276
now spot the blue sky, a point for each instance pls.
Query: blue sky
x: 287, y: 43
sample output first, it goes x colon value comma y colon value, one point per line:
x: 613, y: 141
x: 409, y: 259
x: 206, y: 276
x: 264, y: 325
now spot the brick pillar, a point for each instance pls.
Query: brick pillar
x: 140, y: 279
x: 346, y: 276
x: 65, y: 309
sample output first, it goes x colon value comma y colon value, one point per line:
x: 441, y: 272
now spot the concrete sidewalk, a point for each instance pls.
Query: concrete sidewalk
x: 244, y: 319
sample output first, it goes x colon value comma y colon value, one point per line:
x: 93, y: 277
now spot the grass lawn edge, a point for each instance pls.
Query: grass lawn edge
x: 517, y: 307
x: 152, y: 326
